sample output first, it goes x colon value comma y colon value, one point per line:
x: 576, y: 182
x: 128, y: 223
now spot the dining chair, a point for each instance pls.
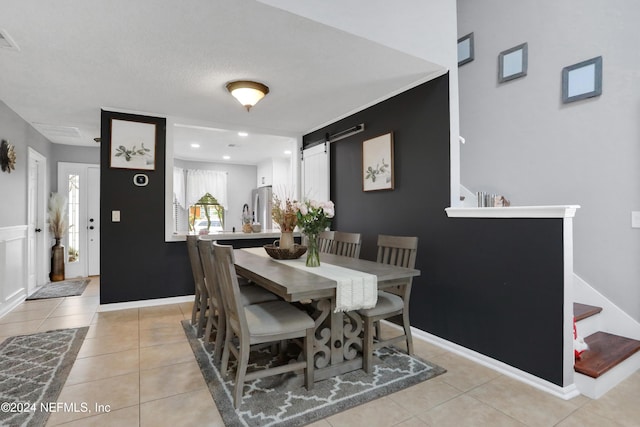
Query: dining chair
x: 347, y: 244
x: 400, y: 251
x: 249, y: 294
x: 200, y: 303
x: 269, y: 322
x: 325, y: 241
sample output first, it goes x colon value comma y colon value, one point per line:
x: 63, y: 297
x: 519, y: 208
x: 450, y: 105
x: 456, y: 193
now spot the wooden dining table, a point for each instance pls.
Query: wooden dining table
x: 338, y: 336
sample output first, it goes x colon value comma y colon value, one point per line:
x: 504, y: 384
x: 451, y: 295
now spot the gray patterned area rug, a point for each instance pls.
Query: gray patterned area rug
x: 65, y: 288
x: 33, y: 369
x: 284, y: 401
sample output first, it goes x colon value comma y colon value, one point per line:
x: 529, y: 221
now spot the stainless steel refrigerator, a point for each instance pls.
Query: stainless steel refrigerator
x: 262, y: 204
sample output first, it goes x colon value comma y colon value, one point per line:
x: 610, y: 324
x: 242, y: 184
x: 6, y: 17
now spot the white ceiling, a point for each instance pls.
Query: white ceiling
x: 173, y: 59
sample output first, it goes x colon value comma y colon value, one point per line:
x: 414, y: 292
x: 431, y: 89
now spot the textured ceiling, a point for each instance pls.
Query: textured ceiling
x: 173, y: 59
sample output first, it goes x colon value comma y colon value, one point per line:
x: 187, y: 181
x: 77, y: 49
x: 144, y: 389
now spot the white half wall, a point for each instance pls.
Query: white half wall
x: 13, y: 267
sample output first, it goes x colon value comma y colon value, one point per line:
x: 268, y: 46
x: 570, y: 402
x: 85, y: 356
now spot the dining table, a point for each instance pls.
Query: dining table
x: 338, y: 334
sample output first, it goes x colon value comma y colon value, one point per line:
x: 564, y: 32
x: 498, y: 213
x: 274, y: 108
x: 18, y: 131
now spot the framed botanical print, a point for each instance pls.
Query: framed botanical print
x: 133, y: 145
x: 377, y: 163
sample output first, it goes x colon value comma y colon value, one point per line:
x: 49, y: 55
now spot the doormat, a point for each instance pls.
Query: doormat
x: 33, y: 369
x: 65, y: 288
x: 283, y: 400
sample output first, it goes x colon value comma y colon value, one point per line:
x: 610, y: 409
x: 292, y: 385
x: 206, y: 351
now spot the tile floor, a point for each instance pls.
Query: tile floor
x: 139, y: 363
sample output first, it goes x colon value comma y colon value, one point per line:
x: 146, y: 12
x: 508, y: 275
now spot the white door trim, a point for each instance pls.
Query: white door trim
x: 81, y: 268
x: 37, y: 219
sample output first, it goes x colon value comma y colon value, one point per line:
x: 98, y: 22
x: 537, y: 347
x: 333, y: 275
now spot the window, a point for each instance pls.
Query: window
x: 189, y: 186
x: 73, y: 236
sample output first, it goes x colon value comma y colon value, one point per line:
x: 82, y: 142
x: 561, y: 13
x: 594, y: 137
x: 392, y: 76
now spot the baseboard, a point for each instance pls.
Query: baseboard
x: 12, y: 303
x: 144, y: 303
x: 565, y: 393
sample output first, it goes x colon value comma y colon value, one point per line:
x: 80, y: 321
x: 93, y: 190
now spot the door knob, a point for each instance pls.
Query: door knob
x: 38, y: 230
x: 90, y: 219
x: 91, y: 227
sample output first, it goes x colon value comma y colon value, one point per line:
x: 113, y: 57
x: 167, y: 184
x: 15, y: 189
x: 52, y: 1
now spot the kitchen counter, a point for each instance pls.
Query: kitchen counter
x: 238, y: 235
x: 226, y: 235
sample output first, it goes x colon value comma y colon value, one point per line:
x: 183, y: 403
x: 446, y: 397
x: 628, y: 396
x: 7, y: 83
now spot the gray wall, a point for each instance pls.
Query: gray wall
x: 241, y: 179
x: 13, y: 186
x: 524, y: 143
x: 71, y: 154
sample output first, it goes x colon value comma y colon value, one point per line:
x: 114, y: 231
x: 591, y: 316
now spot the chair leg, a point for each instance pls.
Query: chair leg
x: 407, y: 331
x: 196, y: 305
x: 308, y: 354
x: 226, y: 349
x: 220, y: 338
x: 367, y: 351
x: 204, y: 302
x: 210, y: 323
x: 243, y: 363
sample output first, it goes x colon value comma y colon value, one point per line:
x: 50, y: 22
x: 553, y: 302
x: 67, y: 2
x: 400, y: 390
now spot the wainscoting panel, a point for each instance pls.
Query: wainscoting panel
x: 13, y: 267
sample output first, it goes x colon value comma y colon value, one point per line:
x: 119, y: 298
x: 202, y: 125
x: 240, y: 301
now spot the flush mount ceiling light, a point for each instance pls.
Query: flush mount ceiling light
x: 248, y: 93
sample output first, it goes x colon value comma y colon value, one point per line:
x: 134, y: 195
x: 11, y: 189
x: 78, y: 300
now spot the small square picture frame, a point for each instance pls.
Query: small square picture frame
x: 132, y: 145
x: 582, y: 80
x: 465, y: 49
x: 513, y: 63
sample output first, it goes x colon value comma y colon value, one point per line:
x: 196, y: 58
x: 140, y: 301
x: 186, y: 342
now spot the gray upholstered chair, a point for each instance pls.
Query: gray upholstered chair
x: 347, y: 244
x: 268, y: 322
x: 400, y: 251
x: 249, y: 294
x: 198, y: 313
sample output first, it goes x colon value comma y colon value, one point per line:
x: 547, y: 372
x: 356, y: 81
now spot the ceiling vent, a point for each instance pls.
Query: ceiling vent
x: 55, y: 131
x: 6, y: 42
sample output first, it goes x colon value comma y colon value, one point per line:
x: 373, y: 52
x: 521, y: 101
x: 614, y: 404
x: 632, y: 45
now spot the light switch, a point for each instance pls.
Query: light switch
x: 115, y: 216
x: 635, y: 219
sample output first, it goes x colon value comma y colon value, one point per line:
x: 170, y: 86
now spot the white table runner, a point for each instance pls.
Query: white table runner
x: 355, y: 290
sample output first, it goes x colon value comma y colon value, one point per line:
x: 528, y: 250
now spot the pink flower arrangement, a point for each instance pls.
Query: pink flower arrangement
x: 314, y: 216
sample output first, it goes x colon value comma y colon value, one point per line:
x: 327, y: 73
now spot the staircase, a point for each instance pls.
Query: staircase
x: 610, y: 358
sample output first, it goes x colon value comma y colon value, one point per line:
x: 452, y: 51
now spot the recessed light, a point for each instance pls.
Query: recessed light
x: 195, y: 145
x: 243, y: 134
x: 226, y: 157
x: 287, y: 152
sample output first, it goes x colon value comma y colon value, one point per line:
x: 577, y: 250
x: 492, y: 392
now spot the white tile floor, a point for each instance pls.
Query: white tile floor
x: 139, y: 362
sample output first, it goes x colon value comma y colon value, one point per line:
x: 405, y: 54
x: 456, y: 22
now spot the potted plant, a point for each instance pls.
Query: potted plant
x: 58, y: 226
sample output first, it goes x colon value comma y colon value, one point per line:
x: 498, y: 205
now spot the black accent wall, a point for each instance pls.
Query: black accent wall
x: 492, y: 285
x: 135, y: 261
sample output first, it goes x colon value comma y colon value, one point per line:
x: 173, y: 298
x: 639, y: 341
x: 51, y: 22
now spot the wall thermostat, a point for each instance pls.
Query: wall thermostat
x: 140, y: 179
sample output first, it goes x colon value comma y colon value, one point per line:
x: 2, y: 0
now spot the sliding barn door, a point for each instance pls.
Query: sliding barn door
x: 315, y: 173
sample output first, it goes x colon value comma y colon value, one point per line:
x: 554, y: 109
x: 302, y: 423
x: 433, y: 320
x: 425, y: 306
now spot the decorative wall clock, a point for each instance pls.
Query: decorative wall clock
x: 7, y: 157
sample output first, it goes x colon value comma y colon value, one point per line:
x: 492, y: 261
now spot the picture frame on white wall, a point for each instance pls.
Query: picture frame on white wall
x: 465, y: 49
x: 582, y: 80
x: 513, y: 63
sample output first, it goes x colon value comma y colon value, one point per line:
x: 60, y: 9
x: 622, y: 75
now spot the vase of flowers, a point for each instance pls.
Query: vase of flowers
x: 314, y: 217
x: 284, y: 214
x: 58, y: 226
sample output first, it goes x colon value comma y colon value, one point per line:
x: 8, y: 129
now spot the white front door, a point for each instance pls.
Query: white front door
x: 93, y: 218
x: 80, y: 183
x: 36, y: 211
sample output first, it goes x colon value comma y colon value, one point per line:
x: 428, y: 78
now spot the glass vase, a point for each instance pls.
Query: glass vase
x: 313, y: 256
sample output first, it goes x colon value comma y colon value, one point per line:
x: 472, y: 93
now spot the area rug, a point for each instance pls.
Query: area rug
x: 284, y: 401
x: 65, y: 288
x: 33, y: 369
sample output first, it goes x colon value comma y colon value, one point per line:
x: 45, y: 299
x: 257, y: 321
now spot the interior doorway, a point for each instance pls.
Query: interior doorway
x: 36, y: 228
x: 80, y: 183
